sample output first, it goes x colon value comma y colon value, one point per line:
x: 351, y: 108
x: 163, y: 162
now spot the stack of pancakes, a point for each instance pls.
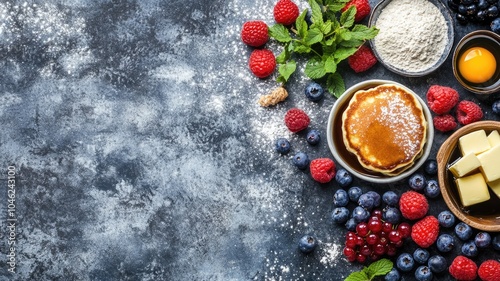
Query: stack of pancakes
x: 385, y: 128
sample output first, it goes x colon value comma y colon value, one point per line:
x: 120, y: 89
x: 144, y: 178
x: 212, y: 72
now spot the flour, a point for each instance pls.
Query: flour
x: 412, y: 36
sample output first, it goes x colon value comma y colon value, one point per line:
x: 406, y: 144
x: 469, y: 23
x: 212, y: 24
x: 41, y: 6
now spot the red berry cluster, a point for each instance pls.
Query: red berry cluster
x: 375, y: 238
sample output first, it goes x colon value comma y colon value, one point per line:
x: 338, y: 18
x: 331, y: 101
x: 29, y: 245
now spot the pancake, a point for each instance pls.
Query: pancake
x: 385, y: 128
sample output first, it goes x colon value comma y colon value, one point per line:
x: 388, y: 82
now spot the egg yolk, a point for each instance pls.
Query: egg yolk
x: 477, y: 65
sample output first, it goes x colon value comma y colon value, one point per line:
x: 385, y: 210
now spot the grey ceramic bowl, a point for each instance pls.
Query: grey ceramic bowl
x: 348, y: 160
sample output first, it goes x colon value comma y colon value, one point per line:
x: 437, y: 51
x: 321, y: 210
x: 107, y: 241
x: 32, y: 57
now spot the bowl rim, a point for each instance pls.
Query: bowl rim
x: 383, y: 179
x: 495, y: 87
x: 447, y: 51
x: 442, y: 159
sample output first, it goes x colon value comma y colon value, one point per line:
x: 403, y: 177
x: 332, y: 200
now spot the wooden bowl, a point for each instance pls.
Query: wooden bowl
x: 484, y: 216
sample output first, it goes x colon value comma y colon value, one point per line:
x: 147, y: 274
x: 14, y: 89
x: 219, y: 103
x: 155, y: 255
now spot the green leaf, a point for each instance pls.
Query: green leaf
x: 353, y: 43
x: 282, y: 57
x: 330, y: 65
x: 300, y: 48
x: 280, y: 33
x: 347, y: 17
x: 315, y: 68
x: 378, y: 268
x: 357, y: 276
x: 342, y: 53
x: 335, y: 84
x: 313, y: 36
x: 327, y: 27
x: 301, y: 24
x: 286, y: 70
x: 363, y: 32
x: 316, y: 14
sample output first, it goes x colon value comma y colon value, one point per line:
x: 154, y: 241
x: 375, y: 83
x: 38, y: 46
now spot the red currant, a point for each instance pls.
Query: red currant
x: 371, y: 239
x: 395, y: 236
x: 405, y: 229
x: 375, y: 226
x: 362, y: 229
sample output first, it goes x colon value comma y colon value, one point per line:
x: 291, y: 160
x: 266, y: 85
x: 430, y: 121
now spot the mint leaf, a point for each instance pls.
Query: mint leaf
x: 301, y: 24
x: 330, y: 65
x: 300, y: 48
x: 326, y: 27
x: 347, y: 17
x: 335, y: 84
x: 280, y: 33
x: 378, y: 268
x: 357, y: 276
x: 286, y: 70
x: 363, y: 32
x: 316, y: 13
x: 344, y: 52
x: 315, y: 68
x: 313, y: 36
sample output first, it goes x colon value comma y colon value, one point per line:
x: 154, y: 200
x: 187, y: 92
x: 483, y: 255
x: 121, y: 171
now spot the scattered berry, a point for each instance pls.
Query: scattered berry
x: 495, y: 107
x: 430, y: 167
x: 343, y: 178
x: 282, y: 145
x: 296, y: 120
x: 307, y: 244
x: 313, y: 137
x: 405, y: 262
x: 285, y: 12
x: 423, y: 273
x: 469, y: 249
x: 417, y: 182
x: 300, y: 160
x: 425, y: 232
x: 363, y: 59
x: 441, y: 99
x: 376, y: 197
x: 444, y: 123
x: 432, y: 189
x: 446, y: 219
x: 254, y: 33
x: 340, y: 198
x: 392, y: 215
x: 262, y: 63
x: 463, y: 269
x: 413, y: 205
x: 437, y: 264
x: 350, y: 224
x: 445, y: 243
x: 390, y: 198
x: 322, y: 169
x: 489, y: 270
x: 340, y: 215
x: 360, y: 214
x: 468, y: 112
x: 495, y: 25
x: 463, y: 231
x: 362, y: 9
x: 354, y: 193
x: 482, y: 240
x: 496, y: 242
x: 393, y: 275
x: 314, y: 91
x: 421, y: 255
x: 366, y: 201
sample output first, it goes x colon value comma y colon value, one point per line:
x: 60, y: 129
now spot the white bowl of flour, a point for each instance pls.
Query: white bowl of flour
x: 415, y: 36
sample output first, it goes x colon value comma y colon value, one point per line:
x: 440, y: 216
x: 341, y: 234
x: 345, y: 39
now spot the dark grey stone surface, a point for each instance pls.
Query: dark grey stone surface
x: 140, y: 152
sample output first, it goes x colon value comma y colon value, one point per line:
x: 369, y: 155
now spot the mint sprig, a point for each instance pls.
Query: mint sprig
x: 378, y: 268
x: 331, y: 37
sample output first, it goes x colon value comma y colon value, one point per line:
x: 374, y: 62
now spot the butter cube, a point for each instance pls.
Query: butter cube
x: 490, y: 164
x: 474, y: 142
x: 494, y: 138
x: 495, y: 187
x: 472, y: 189
x: 465, y: 165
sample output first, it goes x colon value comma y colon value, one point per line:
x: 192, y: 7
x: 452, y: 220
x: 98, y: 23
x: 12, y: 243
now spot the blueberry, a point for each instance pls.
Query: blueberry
x: 495, y: 27
x: 301, y: 160
x: 282, y: 145
x: 392, y: 215
x: 495, y: 107
x: 482, y: 4
x: 423, y: 273
x: 405, y: 262
x: 314, y: 91
x: 343, y: 177
x: 354, y: 193
x: 417, y: 182
x: 445, y: 243
x: 366, y: 201
x: 390, y: 198
x: 461, y: 19
x: 482, y: 239
x: 351, y: 224
x: 421, y: 255
x: 376, y: 198
x: 432, y: 189
x: 469, y: 249
x: 393, y: 275
x: 313, y: 137
x: 340, y: 198
x: 307, y: 244
x: 430, y: 167
x: 446, y: 219
x: 360, y: 214
x: 437, y: 264
x: 453, y: 6
x: 340, y: 215
x: 463, y: 231
x: 471, y: 9
x: 462, y: 10
x: 496, y: 242
x: 492, y: 11
x: 466, y: 2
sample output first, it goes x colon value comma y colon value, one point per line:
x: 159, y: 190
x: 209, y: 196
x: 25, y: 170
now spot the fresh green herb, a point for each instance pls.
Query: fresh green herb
x: 331, y: 37
x: 378, y: 268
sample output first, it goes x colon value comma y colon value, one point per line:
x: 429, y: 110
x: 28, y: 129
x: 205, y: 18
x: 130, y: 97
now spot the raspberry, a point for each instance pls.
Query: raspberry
x: 425, y: 231
x: 489, y: 270
x: 413, y: 205
x: 444, y: 123
x: 362, y: 9
x: 468, y: 112
x: 262, y: 63
x: 296, y: 120
x: 441, y: 99
x: 285, y: 12
x: 463, y: 269
x: 254, y: 33
x: 322, y: 169
x: 362, y: 60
